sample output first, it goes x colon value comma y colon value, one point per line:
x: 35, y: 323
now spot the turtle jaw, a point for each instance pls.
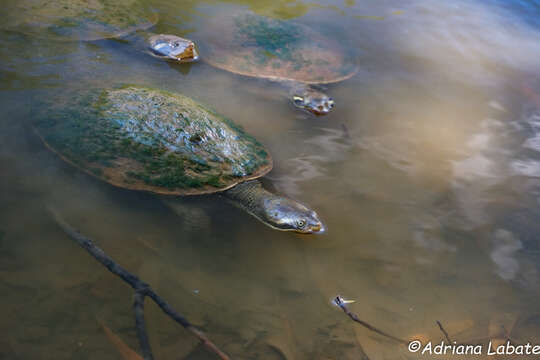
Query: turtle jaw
x: 314, y: 226
x: 187, y: 54
x: 171, y: 47
x: 314, y: 229
x: 318, y: 228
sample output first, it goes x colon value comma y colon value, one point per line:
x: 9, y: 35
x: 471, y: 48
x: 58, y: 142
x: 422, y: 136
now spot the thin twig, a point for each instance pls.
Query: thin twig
x: 444, y: 332
x: 338, y: 300
x: 140, y: 325
x: 142, y: 290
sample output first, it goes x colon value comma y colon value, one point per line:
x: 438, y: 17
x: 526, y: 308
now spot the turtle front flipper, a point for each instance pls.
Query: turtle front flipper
x: 278, y: 212
x: 311, y: 99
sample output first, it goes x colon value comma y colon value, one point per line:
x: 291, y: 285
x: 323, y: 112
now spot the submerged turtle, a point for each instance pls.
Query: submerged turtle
x: 90, y: 20
x: 278, y: 50
x: 146, y: 139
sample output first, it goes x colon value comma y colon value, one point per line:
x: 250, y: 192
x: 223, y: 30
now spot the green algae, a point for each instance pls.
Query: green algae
x: 79, y: 19
x: 273, y: 38
x: 272, y: 42
x: 165, y: 140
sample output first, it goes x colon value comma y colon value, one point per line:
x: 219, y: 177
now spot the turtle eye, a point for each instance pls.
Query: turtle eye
x: 298, y: 100
x: 176, y: 44
x: 320, y: 107
x: 301, y: 223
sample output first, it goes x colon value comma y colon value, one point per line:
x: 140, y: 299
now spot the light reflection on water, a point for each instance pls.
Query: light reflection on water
x: 426, y: 175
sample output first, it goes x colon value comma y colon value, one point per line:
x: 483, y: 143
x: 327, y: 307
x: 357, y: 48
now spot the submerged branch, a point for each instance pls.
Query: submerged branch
x: 338, y: 300
x: 142, y: 290
x: 140, y: 325
x: 444, y: 332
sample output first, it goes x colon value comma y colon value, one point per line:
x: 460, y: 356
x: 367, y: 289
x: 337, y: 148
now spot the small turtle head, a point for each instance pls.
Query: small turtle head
x: 173, y: 47
x: 289, y: 215
x: 314, y: 101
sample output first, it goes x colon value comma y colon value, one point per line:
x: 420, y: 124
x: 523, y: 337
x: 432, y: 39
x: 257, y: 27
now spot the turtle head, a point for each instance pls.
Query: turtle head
x: 173, y: 47
x: 289, y: 215
x: 313, y: 101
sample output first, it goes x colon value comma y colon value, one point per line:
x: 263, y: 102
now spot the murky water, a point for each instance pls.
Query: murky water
x: 426, y: 175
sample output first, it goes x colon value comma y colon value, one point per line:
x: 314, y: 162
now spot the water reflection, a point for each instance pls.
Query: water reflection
x: 332, y: 144
x: 505, y: 248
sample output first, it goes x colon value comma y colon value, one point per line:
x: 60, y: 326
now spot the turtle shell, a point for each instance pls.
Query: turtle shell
x: 146, y: 139
x: 76, y: 19
x: 264, y: 47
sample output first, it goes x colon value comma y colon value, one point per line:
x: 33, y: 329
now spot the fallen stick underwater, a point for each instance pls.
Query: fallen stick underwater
x: 444, y: 332
x: 142, y: 290
x: 339, y: 301
x: 342, y: 303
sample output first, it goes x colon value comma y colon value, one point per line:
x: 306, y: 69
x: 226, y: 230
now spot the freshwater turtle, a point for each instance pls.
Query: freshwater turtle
x: 278, y: 50
x: 146, y: 139
x: 89, y: 20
